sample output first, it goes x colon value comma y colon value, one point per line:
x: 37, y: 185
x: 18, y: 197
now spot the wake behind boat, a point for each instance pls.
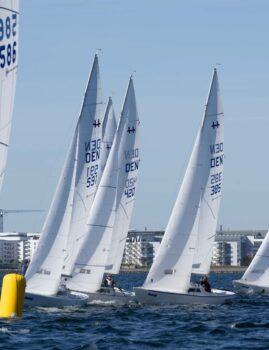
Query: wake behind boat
x: 244, y: 287
x: 187, y: 244
x: 114, y: 295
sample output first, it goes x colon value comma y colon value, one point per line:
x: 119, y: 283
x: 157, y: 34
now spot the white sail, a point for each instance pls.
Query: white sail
x: 258, y: 271
x: 91, y: 258
x: 171, y: 269
x: 9, y: 42
x: 91, y: 160
x: 126, y: 187
x: 211, y: 197
x: 109, y: 126
x: 44, y: 273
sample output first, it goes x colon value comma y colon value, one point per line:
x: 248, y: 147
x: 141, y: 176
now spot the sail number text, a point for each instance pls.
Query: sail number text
x: 129, y: 190
x: 216, y: 160
x: 131, y: 165
x: 92, y: 154
x: 8, y: 31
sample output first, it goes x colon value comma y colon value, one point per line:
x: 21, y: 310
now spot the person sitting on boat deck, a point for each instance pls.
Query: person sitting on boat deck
x: 109, y: 282
x: 24, y: 266
x: 204, y: 282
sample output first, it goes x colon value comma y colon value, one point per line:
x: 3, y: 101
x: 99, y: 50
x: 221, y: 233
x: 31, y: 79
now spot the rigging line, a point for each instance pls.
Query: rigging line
x: 11, y: 70
x: 209, y: 208
x: 100, y: 225
x: 214, y: 114
x: 121, y: 205
x: 7, y: 9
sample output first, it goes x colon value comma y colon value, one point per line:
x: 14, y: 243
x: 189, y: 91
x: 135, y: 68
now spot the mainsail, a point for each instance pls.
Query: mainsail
x: 9, y: 41
x: 90, y: 260
x: 127, y: 183
x: 90, y: 164
x: 171, y: 269
x: 211, y: 196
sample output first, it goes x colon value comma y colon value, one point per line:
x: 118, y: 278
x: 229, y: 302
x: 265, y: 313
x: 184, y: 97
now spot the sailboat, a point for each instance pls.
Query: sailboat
x: 126, y: 189
x: 9, y: 39
x: 74, y: 195
x: 256, y: 277
x: 187, y: 243
x: 110, y: 214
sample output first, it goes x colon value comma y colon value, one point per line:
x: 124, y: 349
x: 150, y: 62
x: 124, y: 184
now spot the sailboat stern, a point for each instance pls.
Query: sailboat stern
x: 245, y: 287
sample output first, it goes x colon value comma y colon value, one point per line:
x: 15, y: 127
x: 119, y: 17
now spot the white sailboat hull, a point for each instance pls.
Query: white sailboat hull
x: 59, y: 300
x: 244, y: 287
x: 217, y: 296
x: 112, y: 295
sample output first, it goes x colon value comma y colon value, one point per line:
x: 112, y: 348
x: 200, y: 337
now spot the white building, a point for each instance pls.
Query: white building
x: 15, y: 247
x: 231, y: 248
x: 141, y: 247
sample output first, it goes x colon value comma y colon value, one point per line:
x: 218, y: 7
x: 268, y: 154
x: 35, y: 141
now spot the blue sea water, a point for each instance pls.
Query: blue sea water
x: 242, y: 324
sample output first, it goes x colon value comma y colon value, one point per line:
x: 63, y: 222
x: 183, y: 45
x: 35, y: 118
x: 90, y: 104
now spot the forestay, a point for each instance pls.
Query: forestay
x: 258, y: 271
x: 127, y: 183
x: 90, y: 262
x: 9, y: 41
x: 171, y: 269
x: 211, y: 196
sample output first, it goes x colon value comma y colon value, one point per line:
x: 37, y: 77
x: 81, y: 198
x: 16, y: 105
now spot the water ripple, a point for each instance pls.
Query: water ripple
x: 242, y: 324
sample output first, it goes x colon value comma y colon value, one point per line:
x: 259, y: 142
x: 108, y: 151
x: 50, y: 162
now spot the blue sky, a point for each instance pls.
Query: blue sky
x: 172, y: 46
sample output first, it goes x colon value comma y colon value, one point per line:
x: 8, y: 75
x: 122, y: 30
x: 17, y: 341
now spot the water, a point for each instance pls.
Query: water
x: 242, y: 324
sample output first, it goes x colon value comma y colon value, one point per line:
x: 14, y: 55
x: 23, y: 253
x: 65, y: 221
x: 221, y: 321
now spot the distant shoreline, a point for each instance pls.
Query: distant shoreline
x: 224, y: 269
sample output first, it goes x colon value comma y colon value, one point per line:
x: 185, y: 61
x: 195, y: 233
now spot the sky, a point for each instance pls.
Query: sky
x: 171, y: 48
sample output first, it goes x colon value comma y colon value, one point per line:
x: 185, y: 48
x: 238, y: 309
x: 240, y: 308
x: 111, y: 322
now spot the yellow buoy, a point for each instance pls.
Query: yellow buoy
x: 12, y: 295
